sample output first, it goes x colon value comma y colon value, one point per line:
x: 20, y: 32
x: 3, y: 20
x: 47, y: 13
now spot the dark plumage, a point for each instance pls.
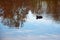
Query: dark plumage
x: 39, y: 17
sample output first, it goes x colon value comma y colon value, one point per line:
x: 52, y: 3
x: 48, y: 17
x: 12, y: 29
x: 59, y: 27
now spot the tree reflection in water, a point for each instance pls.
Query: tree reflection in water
x: 17, y: 19
x: 54, y: 10
x: 14, y: 12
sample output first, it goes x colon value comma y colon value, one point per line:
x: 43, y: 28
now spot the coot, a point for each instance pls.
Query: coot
x: 39, y: 17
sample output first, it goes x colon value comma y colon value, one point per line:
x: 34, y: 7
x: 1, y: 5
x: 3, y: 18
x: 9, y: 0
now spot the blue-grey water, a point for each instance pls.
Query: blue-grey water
x: 33, y: 29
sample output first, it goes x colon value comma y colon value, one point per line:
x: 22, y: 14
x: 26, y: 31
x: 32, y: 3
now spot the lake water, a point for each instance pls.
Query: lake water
x: 32, y: 29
